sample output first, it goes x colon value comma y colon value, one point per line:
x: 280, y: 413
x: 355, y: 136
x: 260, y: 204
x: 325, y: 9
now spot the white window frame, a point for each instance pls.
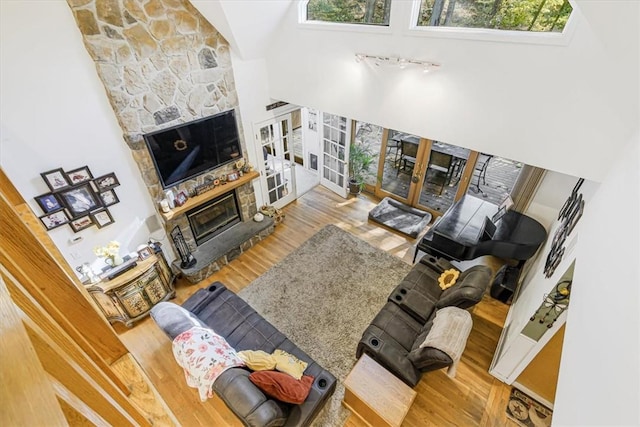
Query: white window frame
x: 411, y: 28
x: 339, y: 26
x: 489, y: 34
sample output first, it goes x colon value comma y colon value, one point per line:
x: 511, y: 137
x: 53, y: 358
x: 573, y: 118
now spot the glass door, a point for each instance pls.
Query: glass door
x: 429, y: 175
x: 277, y: 173
x: 335, y: 153
x: 445, y: 177
x: 401, y: 165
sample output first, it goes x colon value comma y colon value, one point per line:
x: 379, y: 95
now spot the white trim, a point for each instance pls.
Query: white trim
x: 338, y: 26
x: 411, y: 28
x: 489, y: 34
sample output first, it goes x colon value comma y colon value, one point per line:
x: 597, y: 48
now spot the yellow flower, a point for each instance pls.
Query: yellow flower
x: 448, y: 278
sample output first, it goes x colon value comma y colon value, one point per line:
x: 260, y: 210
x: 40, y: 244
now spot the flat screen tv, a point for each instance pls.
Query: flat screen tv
x: 182, y: 152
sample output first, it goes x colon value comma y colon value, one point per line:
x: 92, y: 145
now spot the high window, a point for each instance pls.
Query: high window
x: 515, y: 15
x: 371, y: 12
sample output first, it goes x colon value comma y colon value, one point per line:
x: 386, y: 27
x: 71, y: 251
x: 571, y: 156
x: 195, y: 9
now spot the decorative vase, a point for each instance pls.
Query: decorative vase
x: 114, y: 260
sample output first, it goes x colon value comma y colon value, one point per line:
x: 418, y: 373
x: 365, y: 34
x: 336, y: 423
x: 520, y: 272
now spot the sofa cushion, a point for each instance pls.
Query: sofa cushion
x: 468, y: 290
x: 203, y: 355
x: 283, y: 386
x: 234, y: 319
x: 248, y: 402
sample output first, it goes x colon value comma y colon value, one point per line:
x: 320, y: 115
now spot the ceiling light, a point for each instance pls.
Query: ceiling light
x: 401, y: 63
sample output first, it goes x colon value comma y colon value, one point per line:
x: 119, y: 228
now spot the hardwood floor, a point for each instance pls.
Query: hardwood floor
x: 473, y: 398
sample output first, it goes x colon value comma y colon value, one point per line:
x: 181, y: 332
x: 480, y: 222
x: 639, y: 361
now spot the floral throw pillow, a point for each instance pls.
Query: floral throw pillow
x: 203, y: 355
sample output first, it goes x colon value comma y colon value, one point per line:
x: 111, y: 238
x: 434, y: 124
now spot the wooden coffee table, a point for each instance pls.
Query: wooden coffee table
x: 375, y: 395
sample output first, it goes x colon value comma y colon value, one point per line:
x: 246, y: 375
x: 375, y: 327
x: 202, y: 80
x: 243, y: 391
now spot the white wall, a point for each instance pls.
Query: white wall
x: 599, y: 381
x: 516, y: 350
x: 55, y: 113
x: 567, y: 108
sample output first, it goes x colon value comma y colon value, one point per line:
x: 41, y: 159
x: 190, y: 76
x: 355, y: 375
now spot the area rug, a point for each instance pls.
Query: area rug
x: 527, y: 412
x: 400, y: 217
x: 323, y: 295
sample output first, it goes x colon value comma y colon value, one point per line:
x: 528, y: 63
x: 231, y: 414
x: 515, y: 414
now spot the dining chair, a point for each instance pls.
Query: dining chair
x: 480, y: 173
x: 408, y: 154
x: 439, y: 170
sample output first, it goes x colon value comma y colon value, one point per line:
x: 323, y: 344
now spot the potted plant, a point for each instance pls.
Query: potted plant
x: 361, y: 158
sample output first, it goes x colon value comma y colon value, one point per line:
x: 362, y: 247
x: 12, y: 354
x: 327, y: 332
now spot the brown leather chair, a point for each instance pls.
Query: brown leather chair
x: 394, y: 336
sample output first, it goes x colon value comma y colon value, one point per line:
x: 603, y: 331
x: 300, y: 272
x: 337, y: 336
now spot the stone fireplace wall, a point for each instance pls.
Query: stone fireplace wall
x: 161, y: 64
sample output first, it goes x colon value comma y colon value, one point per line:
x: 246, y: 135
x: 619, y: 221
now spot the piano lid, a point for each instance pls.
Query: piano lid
x: 459, y: 233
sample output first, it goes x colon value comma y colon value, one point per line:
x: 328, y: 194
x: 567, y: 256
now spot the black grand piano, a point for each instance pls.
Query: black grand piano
x: 466, y: 231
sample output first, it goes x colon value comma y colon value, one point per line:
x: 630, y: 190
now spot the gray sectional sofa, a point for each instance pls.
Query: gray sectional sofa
x: 228, y: 315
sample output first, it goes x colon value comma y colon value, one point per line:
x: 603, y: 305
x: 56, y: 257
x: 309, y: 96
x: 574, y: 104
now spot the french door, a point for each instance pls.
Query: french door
x: 335, y: 138
x: 426, y: 174
x: 276, y: 161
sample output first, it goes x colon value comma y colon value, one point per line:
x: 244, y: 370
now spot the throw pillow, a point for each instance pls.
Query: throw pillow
x: 289, y: 364
x: 282, y: 386
x: 258, y: 360
x: 203, y: 355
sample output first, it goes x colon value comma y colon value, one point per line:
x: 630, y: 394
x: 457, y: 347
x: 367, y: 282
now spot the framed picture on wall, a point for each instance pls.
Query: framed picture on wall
x: 49, y: 203
x: 56, y: 179
x: 54, y: 220
x: 80, y: 200
x: 80, y: 175
x: 109, y: 198
x: 102, y: 218
x: 80, y: 223
x: 106, y: 182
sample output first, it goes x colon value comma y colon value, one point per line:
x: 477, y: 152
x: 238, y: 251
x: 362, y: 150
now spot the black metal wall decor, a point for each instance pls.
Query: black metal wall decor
x: 569, y: 215
x: 553, y: 304
x: 77, y: 199
x: 186, y: 257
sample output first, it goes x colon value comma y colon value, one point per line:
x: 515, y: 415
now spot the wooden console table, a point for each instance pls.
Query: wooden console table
x: 375, y: 395
x: 130, y: 296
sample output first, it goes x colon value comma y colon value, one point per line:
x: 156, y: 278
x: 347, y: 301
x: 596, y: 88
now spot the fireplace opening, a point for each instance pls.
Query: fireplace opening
x: 207, y: 221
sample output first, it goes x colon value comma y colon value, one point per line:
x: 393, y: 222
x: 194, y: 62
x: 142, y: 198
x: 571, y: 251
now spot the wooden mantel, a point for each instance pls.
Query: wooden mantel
x: 208, y: 195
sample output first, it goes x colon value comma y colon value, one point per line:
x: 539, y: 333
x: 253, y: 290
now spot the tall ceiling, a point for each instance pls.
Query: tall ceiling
x: 248, y: 25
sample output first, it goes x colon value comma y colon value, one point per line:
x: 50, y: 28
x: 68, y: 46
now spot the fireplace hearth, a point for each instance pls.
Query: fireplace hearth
x: 218, y: 226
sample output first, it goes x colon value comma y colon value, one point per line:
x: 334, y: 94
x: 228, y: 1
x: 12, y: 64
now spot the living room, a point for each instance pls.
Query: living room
x: 48, y: 77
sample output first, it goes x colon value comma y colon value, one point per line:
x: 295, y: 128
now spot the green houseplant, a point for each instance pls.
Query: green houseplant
x: 361, y: 158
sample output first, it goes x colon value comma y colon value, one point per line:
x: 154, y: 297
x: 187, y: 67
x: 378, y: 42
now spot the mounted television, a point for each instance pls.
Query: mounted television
x: 182, y: 152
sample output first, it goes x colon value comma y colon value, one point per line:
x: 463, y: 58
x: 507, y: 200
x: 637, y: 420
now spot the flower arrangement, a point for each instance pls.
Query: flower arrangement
x: 110, y: 253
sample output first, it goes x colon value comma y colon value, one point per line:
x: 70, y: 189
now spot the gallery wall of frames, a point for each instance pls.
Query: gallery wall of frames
x: 77, y: 199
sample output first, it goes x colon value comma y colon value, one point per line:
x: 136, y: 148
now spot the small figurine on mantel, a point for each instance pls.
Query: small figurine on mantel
x: 242, y: 166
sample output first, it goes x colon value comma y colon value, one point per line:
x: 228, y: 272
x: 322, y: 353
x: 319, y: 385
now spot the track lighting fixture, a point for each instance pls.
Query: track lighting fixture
x: 401, y: 63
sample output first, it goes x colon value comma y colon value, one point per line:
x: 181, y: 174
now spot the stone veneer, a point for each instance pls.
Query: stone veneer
x: 162, y: 64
